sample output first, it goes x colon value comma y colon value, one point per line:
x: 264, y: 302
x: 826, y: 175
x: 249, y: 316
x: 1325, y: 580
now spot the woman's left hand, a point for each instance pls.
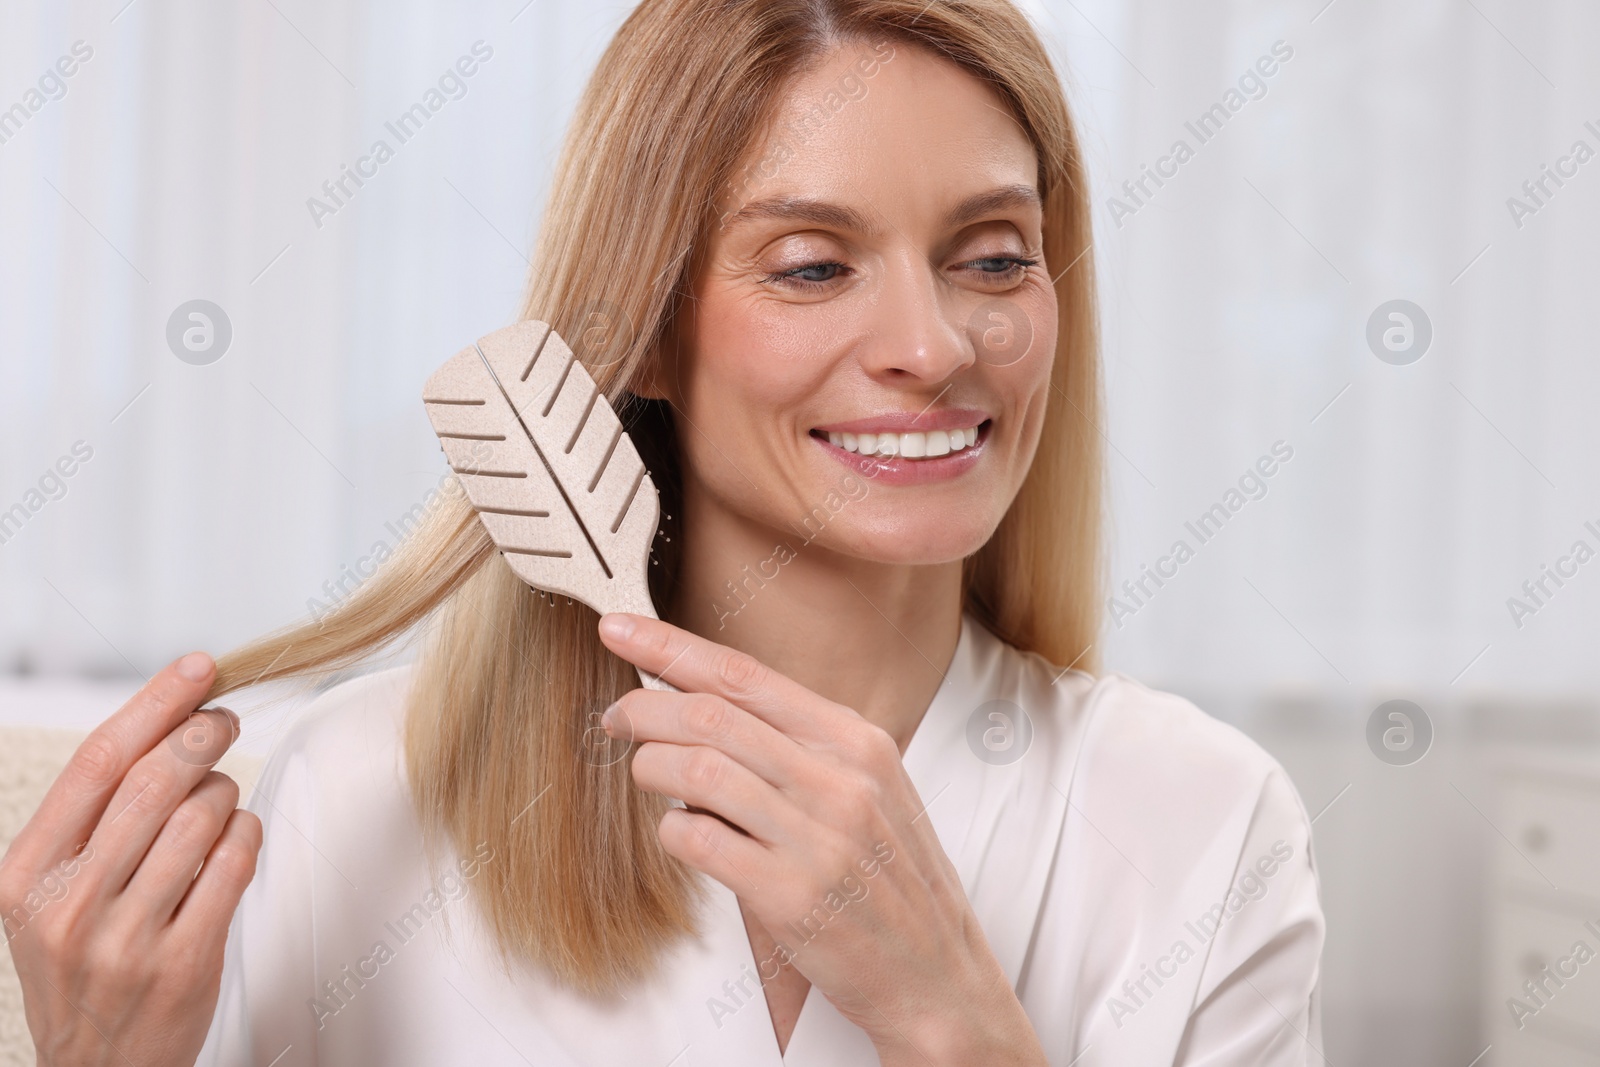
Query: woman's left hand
x: 837, y: 861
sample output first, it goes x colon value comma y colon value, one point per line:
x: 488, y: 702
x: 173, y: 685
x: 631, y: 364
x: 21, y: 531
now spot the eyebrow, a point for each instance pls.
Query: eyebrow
x: 838, y: 216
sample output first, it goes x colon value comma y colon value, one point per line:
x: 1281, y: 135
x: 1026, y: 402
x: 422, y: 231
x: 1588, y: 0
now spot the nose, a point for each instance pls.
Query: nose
x: 914, y: 334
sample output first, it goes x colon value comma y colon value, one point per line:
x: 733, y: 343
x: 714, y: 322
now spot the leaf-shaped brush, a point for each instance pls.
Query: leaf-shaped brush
x: 555, y: 479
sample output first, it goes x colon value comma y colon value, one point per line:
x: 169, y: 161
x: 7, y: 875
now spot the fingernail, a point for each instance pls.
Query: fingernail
x: 617, y: 625
x: 196, y: 666
x: 232, y: 717
x: 609, y: 719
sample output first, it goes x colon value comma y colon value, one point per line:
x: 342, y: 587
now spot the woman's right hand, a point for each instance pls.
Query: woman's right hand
x: 116, y: 938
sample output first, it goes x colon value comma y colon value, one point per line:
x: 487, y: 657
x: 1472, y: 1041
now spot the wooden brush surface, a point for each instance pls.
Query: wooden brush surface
x: 545, y: 461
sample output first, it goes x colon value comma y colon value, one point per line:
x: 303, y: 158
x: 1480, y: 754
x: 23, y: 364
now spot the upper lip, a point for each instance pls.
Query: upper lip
x: 909, y: 421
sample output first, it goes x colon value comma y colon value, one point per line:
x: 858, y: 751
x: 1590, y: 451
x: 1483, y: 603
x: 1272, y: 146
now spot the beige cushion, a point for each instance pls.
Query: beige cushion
x: 30, y: 759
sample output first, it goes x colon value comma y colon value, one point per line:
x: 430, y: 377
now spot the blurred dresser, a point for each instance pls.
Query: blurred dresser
x: 1542, y: 995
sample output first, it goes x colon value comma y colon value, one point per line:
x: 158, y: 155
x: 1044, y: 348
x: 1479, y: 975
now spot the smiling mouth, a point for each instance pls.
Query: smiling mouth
x: 915, y: 444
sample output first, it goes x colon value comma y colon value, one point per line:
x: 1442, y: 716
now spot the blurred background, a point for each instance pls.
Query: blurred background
x: 1373, y: 261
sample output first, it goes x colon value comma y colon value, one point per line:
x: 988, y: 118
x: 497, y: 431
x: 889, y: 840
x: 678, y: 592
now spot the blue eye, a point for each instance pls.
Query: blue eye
x: 1005, y: 264
x: 797, y: 276
x: 830, y: 268
x: 816, y: 275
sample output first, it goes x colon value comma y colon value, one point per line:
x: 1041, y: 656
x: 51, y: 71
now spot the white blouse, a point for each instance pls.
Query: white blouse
x: 1143, y: 873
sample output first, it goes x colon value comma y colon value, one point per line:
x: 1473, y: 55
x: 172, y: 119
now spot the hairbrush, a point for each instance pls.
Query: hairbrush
x: 554, y: 477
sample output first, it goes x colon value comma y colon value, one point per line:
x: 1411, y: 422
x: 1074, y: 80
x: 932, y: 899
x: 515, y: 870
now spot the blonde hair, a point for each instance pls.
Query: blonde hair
x: 496, y: 744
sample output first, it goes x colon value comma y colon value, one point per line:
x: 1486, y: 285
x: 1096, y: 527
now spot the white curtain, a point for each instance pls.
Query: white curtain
x: 1375, y: 163
x: 221, y: 498
x: 1341, y: 156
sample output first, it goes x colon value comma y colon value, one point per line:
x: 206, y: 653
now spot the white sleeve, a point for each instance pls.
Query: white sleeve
x: 1258, y: 1000
x: 264, y: 1015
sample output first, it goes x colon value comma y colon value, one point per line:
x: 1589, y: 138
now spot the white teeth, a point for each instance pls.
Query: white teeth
x: 919, y: 445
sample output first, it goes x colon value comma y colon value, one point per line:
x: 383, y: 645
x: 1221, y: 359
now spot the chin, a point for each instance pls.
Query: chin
x: 909, y: 540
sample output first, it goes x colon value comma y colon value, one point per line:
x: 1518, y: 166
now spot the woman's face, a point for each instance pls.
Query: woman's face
x: 866, y: 358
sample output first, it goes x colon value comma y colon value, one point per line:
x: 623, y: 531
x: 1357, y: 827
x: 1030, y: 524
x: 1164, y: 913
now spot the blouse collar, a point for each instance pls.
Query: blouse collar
x: 999, y: 820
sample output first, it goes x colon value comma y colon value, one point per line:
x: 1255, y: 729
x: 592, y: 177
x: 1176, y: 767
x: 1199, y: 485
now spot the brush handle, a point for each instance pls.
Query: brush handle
x: 653, y: 681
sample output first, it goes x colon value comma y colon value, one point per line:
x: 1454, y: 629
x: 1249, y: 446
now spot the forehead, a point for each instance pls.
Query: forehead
x: 889, y: 127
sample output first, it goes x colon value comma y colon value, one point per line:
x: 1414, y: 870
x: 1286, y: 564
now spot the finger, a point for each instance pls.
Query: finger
x: 702, y: 842
x: 79, y: 795
x: 206, y: 910
x: 703, y: 719
x: 204, y: 736
x: 710, y: 779
x: 168, y: 869
x: 694, y: 664
x: 152, y: 790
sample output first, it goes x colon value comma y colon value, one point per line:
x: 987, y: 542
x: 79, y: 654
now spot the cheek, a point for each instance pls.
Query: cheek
x: 1028, y: 385
x: 753, y: 351
x: 746, y: 390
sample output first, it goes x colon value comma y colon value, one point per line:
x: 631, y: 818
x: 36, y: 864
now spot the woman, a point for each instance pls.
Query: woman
x: 855, y: 233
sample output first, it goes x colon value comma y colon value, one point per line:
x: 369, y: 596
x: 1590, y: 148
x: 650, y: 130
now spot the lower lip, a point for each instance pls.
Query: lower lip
x: 897, y: 470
